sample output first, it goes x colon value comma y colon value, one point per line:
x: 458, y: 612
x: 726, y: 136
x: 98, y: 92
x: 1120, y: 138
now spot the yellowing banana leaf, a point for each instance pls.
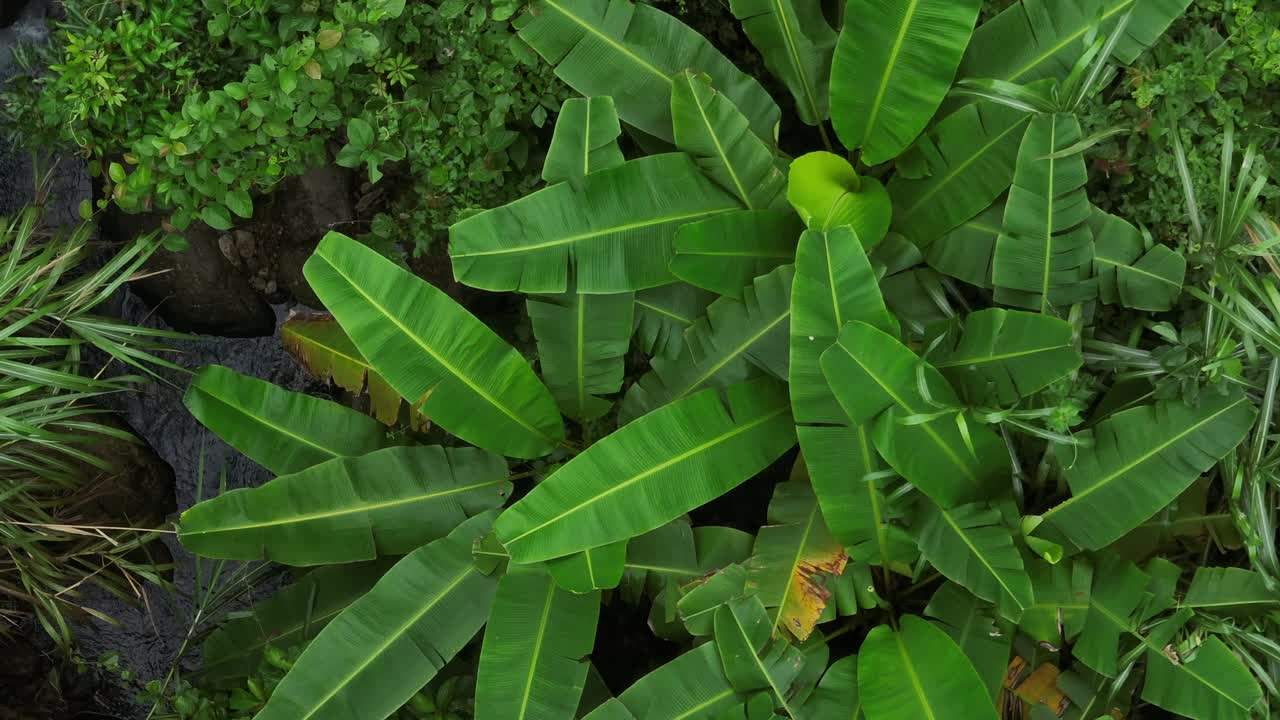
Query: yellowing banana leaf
x: 385, y: 503
x: 585, y: 140
x: 875, y: 377
x: 321, y: 346
x: 919, y: 672
x: 1044, y: 255
x: 734, y: 342
x: 827, y: 193
x: 582, y: 344
x: 462, y: 375
x: 283, y: 431
x: 797, y: 44
x: 724, y: 253
x: 1128, y: 272
x: 616, y: 231
x: 794, y: 557
x: 972, y: 546
x: 996, y: 357
x: 970, y: 157
x: 531, y: 663
x: 664, y: 313
x: 710, y: 128
x: 631, y: 51
x: 290, y: 617
x: 893, y: 65
x: 691, y: 686
x: 382, y: 649
x: 1139, y: 461
x: 1036, y: 39
x: 651, y: 471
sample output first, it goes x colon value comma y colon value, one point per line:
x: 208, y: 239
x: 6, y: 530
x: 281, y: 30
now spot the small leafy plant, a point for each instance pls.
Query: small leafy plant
x: 1019, y: 425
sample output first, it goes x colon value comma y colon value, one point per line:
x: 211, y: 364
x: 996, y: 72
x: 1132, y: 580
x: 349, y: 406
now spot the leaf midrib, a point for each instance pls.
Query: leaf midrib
x: 593, y: 30
x: 889, y: 68
x: 755, y: 658
x: 793, y: 52
x: 911, y: 674
x: 715, y: 140
x: 795, y: 563
x: 261, y: 420
x: 537, y: 648
x: 648, y: 222
x: 981, y: 557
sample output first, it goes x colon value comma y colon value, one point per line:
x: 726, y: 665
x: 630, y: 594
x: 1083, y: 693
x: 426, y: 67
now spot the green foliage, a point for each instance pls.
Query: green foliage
x: 979, y: 467
x: 196, y: 108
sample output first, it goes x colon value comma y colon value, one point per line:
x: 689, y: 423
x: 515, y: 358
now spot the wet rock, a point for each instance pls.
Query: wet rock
x: 245, y: 245
x: 198, y: 289
x: 308, y: 207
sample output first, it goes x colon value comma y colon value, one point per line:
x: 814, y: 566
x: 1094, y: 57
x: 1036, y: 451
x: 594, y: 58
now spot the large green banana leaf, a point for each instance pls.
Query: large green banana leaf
x: 724, y: 253
x: 753, y: 657
x: 651, y: 471
x: 1231, y: 592
x: 837, y: 694
x: 1044, y: 256
x: 997, y: 356
x: 385, y: 503
x: 709, y: 127
x: 290, y: 617
x: 1036, y: 39
x: 281, y: 430
x: 1061, y: 603
x: 585, y: 140
x: 797, y: 44
x: 1139, y: 461
x: 382, y: 649
x: 616, y: 232
x: 429, y: 348
x: 320, y: 345
x: 531, y: 665
x: 870, y: 373
x: 664, y: 313
x: 970, y: 624
x: 582, y: 344
x: 972, y: 546
x: 893, y: 65
x: 631, y: 51
x: 970, y: 156
x: 600, y: 568
x: 918, y: 672
x: 794, y: 556
x: 965, y: 251
x: 827, y: 193
x: 1212, y: 685
x: 834, y: 284
x: 691, y: 687
x: 1128, y: 272
x: 853, y: 486
x: 732, y: 343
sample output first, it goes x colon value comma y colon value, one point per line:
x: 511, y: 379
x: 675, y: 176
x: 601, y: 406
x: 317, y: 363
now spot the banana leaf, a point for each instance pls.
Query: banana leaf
x: 797, y: 44
x: 724, y: 253
x: 582, y: 345
x: 585, y: 140
x: 663, y: 314
x: 918, y: 672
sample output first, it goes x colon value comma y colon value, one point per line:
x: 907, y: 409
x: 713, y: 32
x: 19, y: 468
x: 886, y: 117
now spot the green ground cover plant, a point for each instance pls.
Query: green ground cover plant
x: 196, y: 108
x: 54, y: 470
x: 1036, y: 457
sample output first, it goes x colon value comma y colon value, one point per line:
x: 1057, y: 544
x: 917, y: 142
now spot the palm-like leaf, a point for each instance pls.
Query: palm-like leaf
x: 631, y: 52
x: 1044, y: 255
x: 384, y: 503
x: 582, y: 343
x: 691, y: 686
x: 970, y: 622
x: 585, y: 140
x: 664, y: 313
x: 429, y: 348
x: 616, y: 231
x: 918, y: 672
x: 1002, y: 355
x: 1139, y: 461
x: 710, y: 128
x: 972, y: 546
x: 734, y: 342
x: 531, y: 662
x: 382, y: 649
x: 1036, y: 39
x: 283, y: 431
x: 893, y: 64
x: 724, y: 253
x: 965, y: 252
x: 970, y: 158
x: 650, y: 472
x: 797, y: 44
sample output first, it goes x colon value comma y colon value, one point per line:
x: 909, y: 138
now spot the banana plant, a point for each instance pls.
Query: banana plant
x: 920, y: 312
